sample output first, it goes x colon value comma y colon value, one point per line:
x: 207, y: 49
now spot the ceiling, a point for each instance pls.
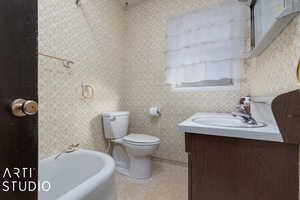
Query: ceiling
x: 132, y: 2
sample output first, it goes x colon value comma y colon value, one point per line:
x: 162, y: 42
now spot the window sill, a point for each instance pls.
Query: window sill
x: 235, y: 87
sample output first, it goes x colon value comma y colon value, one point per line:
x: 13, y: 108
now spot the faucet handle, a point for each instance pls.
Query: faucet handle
x: 241, y: 108
x: 72, y: 147
x: 247, y: 100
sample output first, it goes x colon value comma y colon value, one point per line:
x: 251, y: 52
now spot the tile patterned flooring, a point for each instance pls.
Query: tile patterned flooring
x: 169, y: 182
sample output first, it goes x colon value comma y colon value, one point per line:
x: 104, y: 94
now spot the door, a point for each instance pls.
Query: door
x: 18, y: 80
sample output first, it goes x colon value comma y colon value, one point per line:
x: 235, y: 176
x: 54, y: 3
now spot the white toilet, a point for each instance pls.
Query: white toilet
x: 132, y: 153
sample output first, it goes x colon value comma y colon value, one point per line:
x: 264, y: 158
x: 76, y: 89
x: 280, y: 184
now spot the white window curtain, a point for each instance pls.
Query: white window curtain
x: 207, y: 45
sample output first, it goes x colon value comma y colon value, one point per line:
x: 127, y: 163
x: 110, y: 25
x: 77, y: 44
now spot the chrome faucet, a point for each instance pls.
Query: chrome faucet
x: 244, y: 112
x: 69, y: 149
x: 247, y: 118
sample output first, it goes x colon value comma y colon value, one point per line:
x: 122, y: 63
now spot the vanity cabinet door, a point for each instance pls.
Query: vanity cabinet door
x: 238, y: 169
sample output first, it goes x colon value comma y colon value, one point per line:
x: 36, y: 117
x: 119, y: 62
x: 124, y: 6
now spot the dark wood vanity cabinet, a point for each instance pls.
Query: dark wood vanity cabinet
x: 240, y: 169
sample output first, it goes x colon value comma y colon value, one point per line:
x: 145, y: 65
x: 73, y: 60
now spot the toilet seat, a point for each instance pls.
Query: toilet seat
x: 141, y: 139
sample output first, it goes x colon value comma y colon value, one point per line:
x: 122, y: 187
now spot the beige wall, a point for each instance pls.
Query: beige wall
x: 145, y: 74
x: 274, y: 72
x: 92, y: 37
x: 270, y: 74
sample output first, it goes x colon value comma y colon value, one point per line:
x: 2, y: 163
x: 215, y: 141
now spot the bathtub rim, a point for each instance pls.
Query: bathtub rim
x: 88, y: 186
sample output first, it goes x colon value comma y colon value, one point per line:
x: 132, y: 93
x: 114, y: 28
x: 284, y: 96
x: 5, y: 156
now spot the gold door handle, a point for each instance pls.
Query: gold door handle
x: 22, y: 107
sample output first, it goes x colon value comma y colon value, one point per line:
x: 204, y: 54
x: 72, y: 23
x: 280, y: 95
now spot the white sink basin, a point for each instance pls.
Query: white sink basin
x: 232, y: 122
x: 225, y: 125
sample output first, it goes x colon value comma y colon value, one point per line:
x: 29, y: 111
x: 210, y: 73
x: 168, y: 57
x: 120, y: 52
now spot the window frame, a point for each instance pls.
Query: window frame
x: 234, y: 87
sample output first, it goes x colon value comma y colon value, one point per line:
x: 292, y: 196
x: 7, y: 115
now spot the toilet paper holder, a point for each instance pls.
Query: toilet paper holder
x: 155, y: 112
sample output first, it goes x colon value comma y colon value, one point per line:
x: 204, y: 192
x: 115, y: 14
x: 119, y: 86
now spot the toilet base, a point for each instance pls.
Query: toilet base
x: 122, y: 170
x: 140, y: 167
x: 133, y: 160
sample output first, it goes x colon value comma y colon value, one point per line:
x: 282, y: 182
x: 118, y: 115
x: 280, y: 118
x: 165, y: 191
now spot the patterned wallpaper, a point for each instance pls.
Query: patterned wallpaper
x: 274, y: 72
x: 269, y: 74
x: 92, y: 37
x: 121, y: 53
x: 145, y: 74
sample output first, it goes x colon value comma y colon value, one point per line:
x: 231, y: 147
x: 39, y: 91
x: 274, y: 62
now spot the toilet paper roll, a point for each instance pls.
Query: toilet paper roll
x: 154, y: 111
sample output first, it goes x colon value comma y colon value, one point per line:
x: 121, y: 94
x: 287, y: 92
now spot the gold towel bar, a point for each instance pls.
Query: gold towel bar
x: 66, y: 63
x: 53, y: 57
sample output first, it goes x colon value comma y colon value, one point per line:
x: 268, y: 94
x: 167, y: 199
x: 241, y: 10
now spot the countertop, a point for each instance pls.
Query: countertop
x: 267, y: 133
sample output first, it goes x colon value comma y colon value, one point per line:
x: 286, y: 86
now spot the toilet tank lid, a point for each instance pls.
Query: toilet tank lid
x: 109, y: 114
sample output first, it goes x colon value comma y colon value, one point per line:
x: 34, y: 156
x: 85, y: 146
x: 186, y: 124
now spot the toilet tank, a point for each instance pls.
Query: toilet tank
x: 115, y: 124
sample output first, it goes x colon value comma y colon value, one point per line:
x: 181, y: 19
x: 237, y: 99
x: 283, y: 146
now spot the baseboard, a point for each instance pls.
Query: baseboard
x: 172, y: 162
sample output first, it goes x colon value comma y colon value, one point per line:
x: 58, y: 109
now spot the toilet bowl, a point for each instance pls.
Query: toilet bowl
x: 132, y: 152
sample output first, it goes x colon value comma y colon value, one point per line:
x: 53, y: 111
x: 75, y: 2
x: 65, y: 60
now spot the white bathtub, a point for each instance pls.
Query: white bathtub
x: 80, y: 175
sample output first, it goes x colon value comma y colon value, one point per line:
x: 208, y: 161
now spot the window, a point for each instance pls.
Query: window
x: 205, y: 48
